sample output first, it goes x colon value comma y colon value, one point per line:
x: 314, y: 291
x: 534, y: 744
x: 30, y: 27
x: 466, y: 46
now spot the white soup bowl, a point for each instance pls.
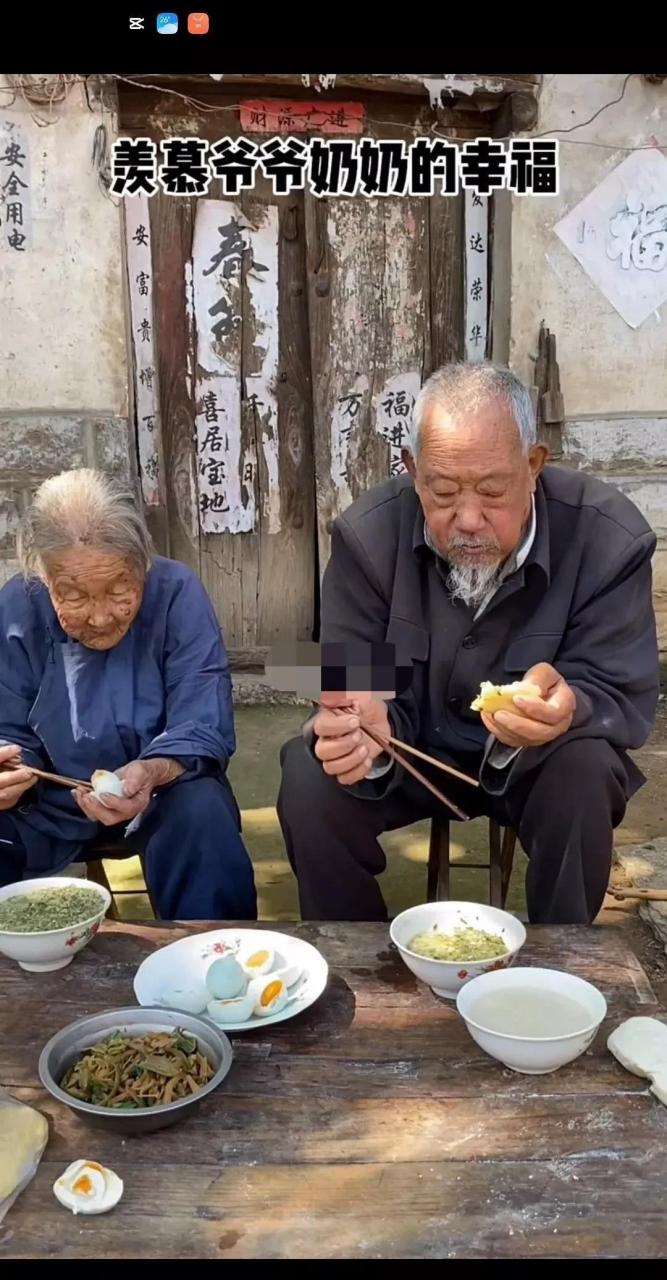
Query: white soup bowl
x: 533, y: 1055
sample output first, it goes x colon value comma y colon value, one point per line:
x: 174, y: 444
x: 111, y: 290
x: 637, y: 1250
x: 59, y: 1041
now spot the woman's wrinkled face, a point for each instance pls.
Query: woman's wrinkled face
x: 96, y: 595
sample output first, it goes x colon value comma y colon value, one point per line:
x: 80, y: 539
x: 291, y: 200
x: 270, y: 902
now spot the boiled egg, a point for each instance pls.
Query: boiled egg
x: 270, y: 996
x: 190, y: 998
x: 105, y: 783
x: 239, y: 1009
x: 258, y: 962
x: 87, y: 1187
x: 225, y: 978
x: 289, y: 974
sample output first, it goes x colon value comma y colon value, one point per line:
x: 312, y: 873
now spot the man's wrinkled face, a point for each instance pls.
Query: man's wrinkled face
x: 96, y: 595
x: 475, y: 484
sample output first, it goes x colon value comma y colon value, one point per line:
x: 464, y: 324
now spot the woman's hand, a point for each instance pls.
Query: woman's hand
x: 14, y: 782
x: 140, y: 778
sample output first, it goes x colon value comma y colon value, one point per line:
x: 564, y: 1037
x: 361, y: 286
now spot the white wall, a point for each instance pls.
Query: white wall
x: 606, y: 367
x: 614, y: 378
x: 62, y: 340
x: 63, y: 353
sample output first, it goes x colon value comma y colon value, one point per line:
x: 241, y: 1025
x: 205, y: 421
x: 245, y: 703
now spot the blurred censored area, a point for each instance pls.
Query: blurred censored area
x: 311, y: 669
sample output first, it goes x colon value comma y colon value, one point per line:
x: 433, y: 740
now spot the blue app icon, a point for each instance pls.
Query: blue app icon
x: 167, y: 24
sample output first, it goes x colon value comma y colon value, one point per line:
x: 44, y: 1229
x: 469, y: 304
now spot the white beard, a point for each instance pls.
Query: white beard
x: 472, y: 583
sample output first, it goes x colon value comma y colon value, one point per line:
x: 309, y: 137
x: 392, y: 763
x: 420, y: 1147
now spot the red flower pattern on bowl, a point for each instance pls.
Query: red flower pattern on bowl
x: 79, y: 937
x: 221, y: 949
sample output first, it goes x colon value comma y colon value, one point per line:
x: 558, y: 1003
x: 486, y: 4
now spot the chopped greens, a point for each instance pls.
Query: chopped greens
x: 44, y: 909
x: 128, y: 1072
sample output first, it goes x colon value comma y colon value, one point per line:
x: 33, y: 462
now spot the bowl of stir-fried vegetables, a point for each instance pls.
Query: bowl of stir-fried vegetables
x: 134, y: 1071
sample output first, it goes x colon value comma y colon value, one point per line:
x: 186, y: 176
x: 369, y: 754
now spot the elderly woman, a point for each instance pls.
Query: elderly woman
x: 111, y: 657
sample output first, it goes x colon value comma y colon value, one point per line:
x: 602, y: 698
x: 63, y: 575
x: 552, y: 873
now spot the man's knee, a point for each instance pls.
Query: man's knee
x: 582, y: 758
x: 586, y: 772
x: 293, y: 755
x: 303, y: 781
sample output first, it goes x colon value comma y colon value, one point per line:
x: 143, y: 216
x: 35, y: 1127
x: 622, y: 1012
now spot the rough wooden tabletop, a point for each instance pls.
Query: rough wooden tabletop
x: 368, y: 1126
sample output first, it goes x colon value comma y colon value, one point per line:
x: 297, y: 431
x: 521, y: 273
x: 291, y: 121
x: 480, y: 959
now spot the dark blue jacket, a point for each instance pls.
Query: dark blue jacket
x: 165, y: 690
x: 582, y: 602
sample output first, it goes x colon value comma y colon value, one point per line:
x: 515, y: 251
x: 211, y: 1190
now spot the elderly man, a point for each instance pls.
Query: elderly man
x: 111, y: 657
x: 481, y: 564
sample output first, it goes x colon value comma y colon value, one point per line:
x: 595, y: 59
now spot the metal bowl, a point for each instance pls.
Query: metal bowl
x: 67, y: 1045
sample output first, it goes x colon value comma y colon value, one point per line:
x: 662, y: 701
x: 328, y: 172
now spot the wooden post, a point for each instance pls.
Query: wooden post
x: 549, y: 406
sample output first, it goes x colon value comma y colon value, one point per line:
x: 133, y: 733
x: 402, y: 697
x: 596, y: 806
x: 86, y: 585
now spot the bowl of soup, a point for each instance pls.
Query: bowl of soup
x: 532, y: 1020
x: 447, y: 944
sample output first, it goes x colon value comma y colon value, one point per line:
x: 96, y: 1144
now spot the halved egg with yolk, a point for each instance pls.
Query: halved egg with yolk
x: 238, y: 1009
x: 270, y: 997
x: 87, y: 1187
x: 258, y: 962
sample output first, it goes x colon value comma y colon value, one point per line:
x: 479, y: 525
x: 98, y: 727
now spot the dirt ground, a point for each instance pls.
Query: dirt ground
x: 255, y: 775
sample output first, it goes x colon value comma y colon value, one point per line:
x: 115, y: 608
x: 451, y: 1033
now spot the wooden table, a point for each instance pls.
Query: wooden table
x: 369, y: 1126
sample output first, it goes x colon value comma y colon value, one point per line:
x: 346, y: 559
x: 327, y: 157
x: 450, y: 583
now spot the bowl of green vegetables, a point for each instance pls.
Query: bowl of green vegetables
x: 134, y: 1071
x: 447, y: 944
x: 45, y: 922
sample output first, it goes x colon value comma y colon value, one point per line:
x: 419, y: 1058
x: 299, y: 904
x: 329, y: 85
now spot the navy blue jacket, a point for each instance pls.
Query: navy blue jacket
x: 165, y: 690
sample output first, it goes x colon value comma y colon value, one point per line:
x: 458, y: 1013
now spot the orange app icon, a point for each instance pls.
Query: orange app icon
x: 198, y: 24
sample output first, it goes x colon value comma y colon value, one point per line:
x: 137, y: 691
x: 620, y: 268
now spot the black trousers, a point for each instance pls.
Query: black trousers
x: 564, y: 812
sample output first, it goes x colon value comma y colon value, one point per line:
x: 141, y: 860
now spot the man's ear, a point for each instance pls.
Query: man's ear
x: 409, y: 463
x: 537, y: 459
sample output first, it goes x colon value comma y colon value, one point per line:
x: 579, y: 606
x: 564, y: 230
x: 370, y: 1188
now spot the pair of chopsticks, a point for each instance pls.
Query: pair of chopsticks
x: 642, y: 895
x: 58, y: 778
x: 393, y: 747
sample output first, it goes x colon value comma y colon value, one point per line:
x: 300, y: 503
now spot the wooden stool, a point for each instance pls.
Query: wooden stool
x: 96, y: 873
x: 502, y: 843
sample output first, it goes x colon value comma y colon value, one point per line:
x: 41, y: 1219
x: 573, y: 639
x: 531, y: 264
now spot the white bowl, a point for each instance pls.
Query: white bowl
x: 446, y: 977
x: 51, y: 948
x: 537, y: 1055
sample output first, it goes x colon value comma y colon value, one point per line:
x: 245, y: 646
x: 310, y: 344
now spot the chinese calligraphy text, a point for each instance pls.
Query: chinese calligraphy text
x: 15, y: 195
x: 333, y: 166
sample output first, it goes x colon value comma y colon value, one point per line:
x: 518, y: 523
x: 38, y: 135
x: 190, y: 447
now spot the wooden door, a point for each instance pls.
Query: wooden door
x: 339, y: 308
x: 246, y: 398
x: 230, y: 310
x: 385, y: 282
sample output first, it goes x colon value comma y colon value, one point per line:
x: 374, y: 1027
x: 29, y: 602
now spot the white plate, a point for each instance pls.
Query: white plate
x: 184, y: 963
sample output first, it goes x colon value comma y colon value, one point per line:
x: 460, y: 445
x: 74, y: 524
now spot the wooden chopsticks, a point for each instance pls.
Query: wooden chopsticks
x: 405, y: 764
x: 642, y: 895
x: 393, y: 746
x: 49, y: 777
x: 438, y: 764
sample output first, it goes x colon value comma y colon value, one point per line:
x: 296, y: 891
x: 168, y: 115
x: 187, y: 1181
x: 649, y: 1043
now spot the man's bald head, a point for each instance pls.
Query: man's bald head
x: 460, y: 391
